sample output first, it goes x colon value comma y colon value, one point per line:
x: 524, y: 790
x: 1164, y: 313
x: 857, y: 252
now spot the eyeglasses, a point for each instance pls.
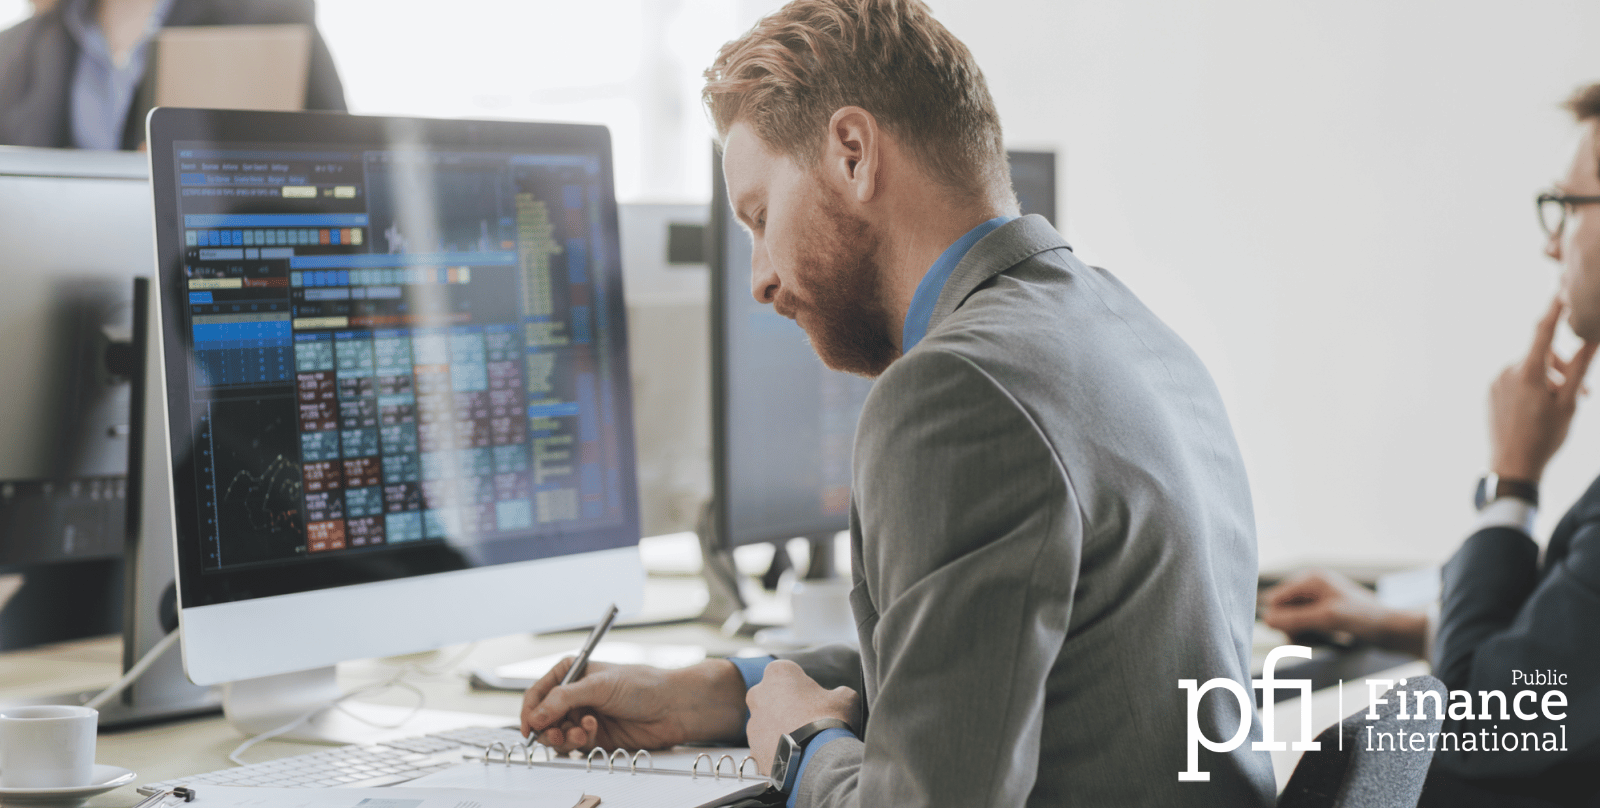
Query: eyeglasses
x: 1553, y: 210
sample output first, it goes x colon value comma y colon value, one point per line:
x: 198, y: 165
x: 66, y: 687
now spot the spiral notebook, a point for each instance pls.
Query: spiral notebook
x: 624, y: 780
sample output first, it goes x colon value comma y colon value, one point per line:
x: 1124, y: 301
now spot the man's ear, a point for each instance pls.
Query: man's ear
x: 851, y: 157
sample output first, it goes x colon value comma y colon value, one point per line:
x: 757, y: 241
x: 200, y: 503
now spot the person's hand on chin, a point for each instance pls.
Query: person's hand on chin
x: 1531, y: 404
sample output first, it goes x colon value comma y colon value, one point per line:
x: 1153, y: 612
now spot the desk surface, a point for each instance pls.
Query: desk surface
x: 167, y: 751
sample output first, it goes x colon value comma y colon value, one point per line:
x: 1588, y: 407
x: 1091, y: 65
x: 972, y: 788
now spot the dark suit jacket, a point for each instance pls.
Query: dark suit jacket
x: 38, y: 58
x: 1502, y: 610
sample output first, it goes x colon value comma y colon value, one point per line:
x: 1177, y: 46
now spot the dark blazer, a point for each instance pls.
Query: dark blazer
x: 38, y: 58
x: 1502, y: 610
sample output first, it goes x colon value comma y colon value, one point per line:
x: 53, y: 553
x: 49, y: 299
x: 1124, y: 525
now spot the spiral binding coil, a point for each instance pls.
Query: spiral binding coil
x: 716, y: 766
x: 506, y: 753
x: 488, y: 750
x: 527, y: 752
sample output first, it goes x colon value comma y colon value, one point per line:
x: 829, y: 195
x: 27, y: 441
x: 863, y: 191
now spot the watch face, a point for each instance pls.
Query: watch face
x: 788, y: 753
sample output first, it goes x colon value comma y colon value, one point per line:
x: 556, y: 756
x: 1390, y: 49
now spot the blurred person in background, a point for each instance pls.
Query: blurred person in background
x: 1509, y: 601
x: 74, y: 74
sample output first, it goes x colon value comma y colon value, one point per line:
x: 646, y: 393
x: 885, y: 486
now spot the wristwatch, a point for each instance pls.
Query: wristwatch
x: 791, y: 750
x: 1492, y: 487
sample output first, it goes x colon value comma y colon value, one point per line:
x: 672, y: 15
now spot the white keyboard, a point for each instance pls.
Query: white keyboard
x: 360, y: 766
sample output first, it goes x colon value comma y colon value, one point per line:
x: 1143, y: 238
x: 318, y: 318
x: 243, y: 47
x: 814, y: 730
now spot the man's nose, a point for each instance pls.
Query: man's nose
x: 1552, y: 245
x: 763, y: 281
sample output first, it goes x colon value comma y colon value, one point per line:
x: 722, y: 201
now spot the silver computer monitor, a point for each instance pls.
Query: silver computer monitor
x: 397, y: 393
x: 74, y: 233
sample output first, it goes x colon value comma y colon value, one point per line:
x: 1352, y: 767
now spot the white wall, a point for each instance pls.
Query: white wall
x: 1333, y: 203
x: 633, y: 65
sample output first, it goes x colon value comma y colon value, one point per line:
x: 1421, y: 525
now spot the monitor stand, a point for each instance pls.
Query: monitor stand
x: 256, y: 706
x: 726, y: 607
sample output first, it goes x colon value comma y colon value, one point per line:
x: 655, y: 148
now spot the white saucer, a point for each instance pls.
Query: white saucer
x: 104, y: 779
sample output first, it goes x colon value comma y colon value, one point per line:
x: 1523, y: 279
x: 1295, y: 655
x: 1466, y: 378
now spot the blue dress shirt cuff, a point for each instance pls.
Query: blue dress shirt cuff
x: 751, y: 669
x: 823, y: 738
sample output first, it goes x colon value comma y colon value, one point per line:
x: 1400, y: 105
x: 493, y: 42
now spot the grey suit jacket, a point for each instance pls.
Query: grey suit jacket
x: 1051, y: 526
x: 38, y: 58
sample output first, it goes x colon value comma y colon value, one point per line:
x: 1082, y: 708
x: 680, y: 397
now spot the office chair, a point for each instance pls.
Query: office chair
x: 1356, y: 777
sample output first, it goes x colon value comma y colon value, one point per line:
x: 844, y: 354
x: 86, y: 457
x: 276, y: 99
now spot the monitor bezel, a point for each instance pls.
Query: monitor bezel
x: 168, y: 126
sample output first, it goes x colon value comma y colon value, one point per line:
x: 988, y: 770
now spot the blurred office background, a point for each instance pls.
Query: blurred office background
x: 1331, y: 201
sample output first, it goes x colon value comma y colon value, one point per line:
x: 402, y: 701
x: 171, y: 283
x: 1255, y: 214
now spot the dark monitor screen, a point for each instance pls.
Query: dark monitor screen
x: 1033, y: 177
x: 393, y: 348
x: 783, y: 425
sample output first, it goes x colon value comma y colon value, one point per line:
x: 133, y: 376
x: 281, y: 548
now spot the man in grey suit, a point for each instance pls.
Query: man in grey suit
x: 1050, y: 522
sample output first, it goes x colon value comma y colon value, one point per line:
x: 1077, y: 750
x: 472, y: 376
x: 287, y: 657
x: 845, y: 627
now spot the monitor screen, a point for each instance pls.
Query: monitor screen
x: 783, y: 424
x: 393, y: 348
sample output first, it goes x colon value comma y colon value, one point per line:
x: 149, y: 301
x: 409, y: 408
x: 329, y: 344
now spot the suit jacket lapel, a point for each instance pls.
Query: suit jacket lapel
x: 1011, y: 244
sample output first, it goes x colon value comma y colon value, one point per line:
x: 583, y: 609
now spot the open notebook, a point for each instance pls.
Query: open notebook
x: 620, y: 783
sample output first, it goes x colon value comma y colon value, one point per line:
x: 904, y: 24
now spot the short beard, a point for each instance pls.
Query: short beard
x: 848, y: 318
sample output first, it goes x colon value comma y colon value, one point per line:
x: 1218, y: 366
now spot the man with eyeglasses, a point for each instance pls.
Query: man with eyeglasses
x: 1503, y: 608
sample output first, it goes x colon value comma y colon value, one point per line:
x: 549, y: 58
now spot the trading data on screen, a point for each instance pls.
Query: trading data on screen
x: 397, y: 347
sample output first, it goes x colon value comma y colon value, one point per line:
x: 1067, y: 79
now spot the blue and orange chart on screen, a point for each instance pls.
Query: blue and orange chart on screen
x: 395, y: 347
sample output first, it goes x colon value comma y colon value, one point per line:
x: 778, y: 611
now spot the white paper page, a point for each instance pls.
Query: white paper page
x: 250, y: 797
x: 619, y: 789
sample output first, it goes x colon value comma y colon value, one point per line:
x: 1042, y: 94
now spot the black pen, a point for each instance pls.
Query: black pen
x: 600, y: 629
x: 584, y: 653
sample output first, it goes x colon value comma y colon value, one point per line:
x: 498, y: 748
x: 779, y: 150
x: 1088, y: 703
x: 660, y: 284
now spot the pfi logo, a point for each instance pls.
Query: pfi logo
x: 1268, y: 684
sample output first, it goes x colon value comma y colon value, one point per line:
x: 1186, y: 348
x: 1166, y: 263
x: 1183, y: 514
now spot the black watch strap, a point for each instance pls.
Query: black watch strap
x: 803, y: 735
x: 792, y: 748
x: 1492, y: 487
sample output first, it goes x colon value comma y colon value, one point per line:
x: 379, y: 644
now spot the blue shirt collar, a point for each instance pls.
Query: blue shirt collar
x: 927, y: 294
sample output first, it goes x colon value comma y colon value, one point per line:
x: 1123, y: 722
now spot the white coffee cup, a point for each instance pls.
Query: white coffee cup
x: 47, y: 746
